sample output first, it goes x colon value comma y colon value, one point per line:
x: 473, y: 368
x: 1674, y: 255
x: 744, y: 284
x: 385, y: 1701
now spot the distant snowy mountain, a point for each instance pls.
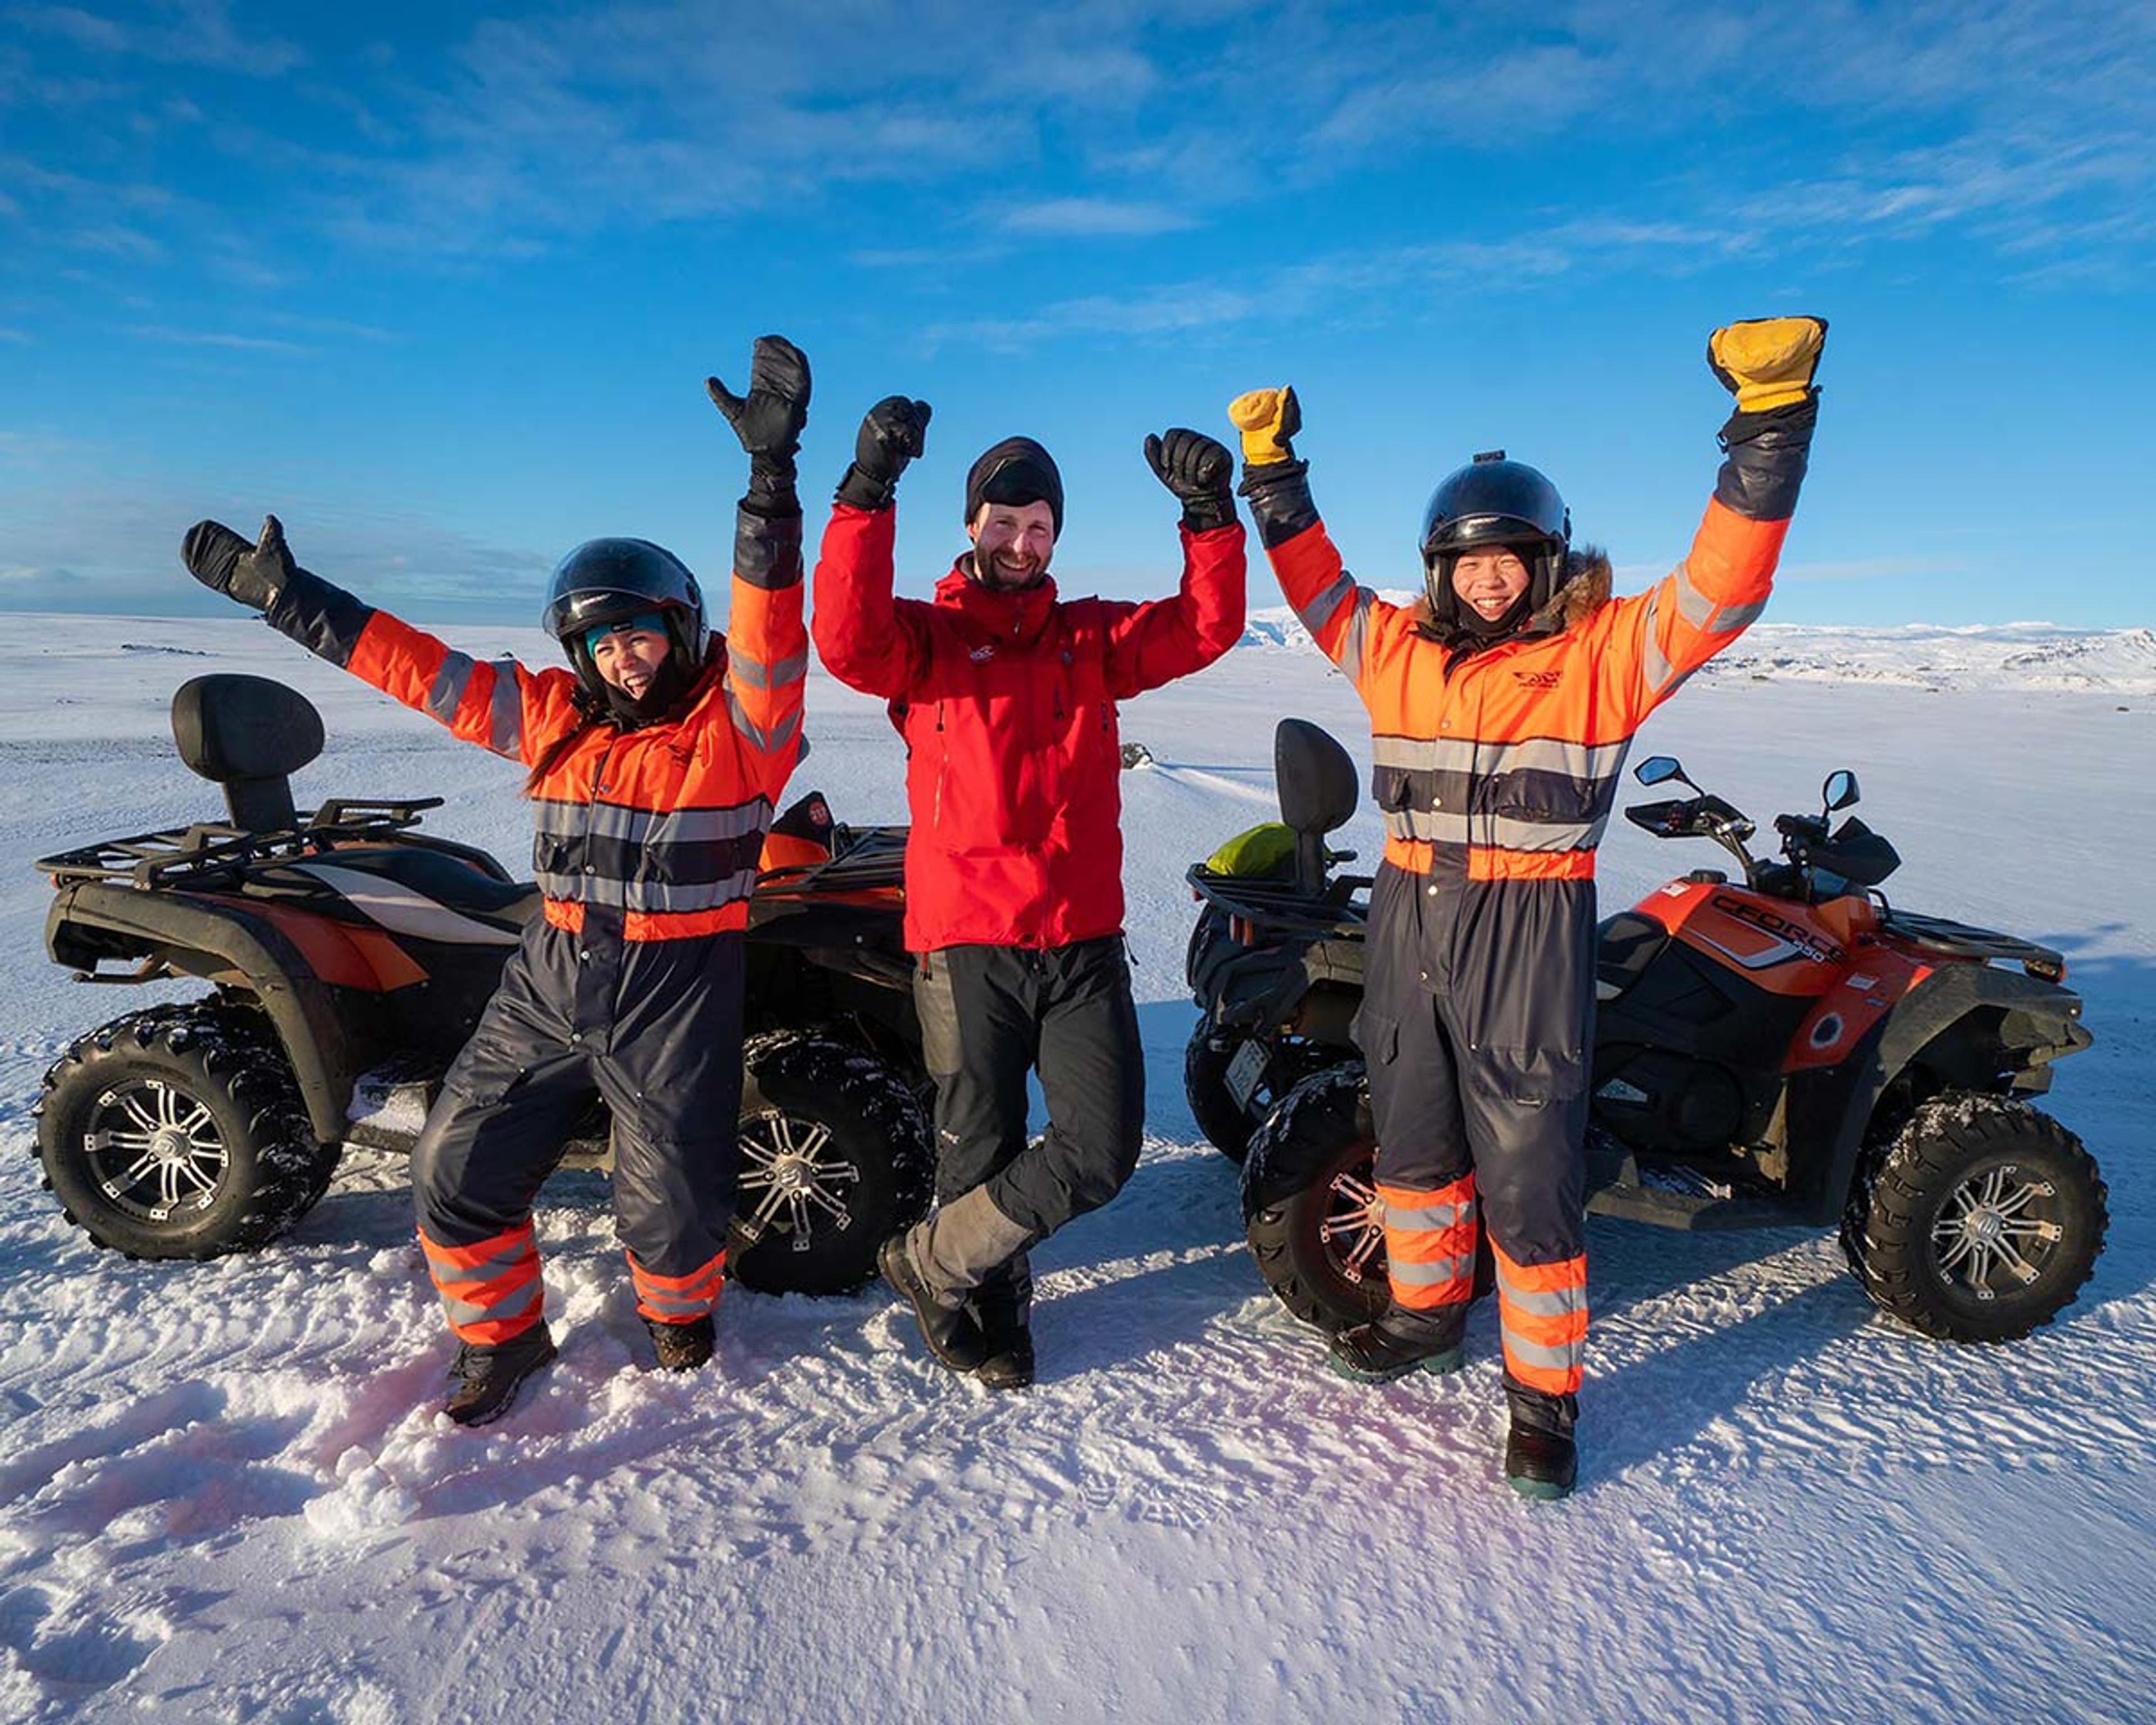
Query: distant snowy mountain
x: 2014, y: 655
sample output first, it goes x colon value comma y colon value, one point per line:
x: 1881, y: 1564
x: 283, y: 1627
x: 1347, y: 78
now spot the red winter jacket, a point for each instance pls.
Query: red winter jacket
x: 1007, y: 702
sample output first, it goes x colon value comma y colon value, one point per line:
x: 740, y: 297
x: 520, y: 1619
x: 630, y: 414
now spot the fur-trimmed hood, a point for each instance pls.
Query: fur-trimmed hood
x: 1587, y: 586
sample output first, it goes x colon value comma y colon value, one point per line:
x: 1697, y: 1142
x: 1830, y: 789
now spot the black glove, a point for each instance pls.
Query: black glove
x: 768, y: 419
x: 1198, y: 471
x: 252, y: 574
x: 894, y: 432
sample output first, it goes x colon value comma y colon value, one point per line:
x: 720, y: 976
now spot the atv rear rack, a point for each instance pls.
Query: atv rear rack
x: 211, y: 849
x: 1280, y: 907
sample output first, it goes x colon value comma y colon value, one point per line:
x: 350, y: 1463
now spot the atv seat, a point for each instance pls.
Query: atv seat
x: 428, y: 894
x: 1624, y: 946
x: 250, y: 735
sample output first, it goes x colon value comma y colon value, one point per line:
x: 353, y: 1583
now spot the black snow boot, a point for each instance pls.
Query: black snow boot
x: 1540, y: 1459
x: 1001, y: 1307
x: 949, y: 1329
x: 488, y: 1377
x: 1378, y: 1352
x: 682, y: 1347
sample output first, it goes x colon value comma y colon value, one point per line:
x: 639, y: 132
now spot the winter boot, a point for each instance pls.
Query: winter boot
x: 1001, y: 1305
x: 1540, y: 1459
x: 682, y: 1347
x: 936, y: 1263
x: 488, y: 1376
x: 1397, y: 1344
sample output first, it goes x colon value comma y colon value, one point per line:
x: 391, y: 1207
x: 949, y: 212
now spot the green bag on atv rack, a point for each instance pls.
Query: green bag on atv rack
x: 1261, y: 852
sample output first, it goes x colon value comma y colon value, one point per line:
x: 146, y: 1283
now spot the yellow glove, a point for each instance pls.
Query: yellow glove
x: 1766, y: 362
x: 1267, y: 418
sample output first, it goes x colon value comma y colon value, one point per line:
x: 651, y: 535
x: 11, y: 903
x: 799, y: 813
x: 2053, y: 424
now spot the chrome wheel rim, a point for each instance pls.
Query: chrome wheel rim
x: 155, y: 1151
x: 791, y: 1179
x: 1353, y: 1231
x: 1997, y: 1232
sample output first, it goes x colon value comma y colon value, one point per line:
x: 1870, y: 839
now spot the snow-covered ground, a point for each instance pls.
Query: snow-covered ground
x: 225, y: 1494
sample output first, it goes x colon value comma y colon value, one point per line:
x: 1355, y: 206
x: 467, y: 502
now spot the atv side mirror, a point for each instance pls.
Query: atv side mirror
x: 1316, y: 780
x: 1839, y: 790
x: 1658, y: 769
x: 248, y: 734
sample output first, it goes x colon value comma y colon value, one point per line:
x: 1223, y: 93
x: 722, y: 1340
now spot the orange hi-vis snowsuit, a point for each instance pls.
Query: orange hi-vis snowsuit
x: 628, y: 985
x: 1496, y: 767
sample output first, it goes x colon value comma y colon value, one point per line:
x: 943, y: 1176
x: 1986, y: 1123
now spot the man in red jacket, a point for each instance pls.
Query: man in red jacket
x: 1006, y: 696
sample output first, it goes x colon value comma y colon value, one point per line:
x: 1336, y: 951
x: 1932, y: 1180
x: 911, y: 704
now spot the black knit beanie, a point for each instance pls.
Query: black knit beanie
x: 1014, y: 471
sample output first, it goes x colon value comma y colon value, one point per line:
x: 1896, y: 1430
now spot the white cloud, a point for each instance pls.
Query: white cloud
x: 1088, y: 218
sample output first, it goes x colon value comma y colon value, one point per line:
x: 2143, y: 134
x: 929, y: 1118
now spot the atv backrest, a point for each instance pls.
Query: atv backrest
x: 250, y: 735
x: 1317, y: 782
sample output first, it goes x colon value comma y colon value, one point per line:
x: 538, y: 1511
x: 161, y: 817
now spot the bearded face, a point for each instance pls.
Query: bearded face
x: 1012, y: 542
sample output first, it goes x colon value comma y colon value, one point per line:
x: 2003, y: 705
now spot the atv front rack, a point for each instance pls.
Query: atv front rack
x: 1965, y: 940
x: 215, y: 848
x: 1280, y: 907
x: 862, y: 860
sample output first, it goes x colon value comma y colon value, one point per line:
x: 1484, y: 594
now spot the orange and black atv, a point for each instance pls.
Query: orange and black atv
x: 349, y: 956
x: 1781, y: 1048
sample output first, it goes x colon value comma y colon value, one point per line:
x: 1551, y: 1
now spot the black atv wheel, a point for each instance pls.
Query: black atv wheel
x: 1311, y: 1212
x: 1227, y: 1125
x: 836, y: 1157
x: 1979, y: 1222
x: 178, y: 1132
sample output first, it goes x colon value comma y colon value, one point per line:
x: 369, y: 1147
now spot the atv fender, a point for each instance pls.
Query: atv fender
x: 228, y: 945
x: 2041, y: 1021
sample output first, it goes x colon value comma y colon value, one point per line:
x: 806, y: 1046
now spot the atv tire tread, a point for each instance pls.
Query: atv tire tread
x: 1886, y: 1230
x: 227, y: 1058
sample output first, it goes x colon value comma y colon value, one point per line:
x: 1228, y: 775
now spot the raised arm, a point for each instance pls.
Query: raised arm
x: 498, y: 705
x: 1722, y: 586
x: 862, y: 635
x: 1344, y: 619
x: 1155, y: 643
x: 767, y: 644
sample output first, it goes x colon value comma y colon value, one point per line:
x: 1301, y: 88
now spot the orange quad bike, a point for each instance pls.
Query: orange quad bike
x: 348, y: 956
x: 1778, y: 1047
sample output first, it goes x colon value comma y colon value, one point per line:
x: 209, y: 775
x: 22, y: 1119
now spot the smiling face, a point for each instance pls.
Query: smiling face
x: 1011, y: 543
x: 1487, y: 581
x: 628, y: 658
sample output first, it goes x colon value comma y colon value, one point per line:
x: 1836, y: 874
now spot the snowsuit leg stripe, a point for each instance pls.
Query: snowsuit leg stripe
x: 1542, y: 1310
x: 1429, y: 1244
x: 677, y: 1299
x: 490, y: 1292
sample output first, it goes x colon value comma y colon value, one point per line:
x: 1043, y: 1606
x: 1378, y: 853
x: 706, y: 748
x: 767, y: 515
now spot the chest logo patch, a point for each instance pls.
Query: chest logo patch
x: 983, y: 653
x: 1538, y: 679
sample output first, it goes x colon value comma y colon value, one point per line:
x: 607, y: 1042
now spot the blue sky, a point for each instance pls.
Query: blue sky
x: 440, y: 283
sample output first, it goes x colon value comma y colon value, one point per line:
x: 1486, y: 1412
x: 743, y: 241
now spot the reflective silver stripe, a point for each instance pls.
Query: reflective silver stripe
x: 688, y: 1304
x: 1550, y: 1359
x: 1357, y: 635
x: 558, y: 820
x: 754, y: 674
x: 649, y: 897
x: 1654, y: 664
x: 1540, y: 754
x: 785, y: 730
x: 1438, y: 826
x: 1313, y: 615
x: 1540, y: 1302
x: 1701, y: 613
x: 1435, y: 1274
x: 506, y: 723
x: 448, y: 688
x: 487, y: 1269
x: 516, y: 1304
x: 1431, y: 1219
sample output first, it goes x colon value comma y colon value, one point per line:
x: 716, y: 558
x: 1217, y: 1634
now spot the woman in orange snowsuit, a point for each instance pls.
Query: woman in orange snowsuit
x: 1501, y: 707
x: 655, y: 764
